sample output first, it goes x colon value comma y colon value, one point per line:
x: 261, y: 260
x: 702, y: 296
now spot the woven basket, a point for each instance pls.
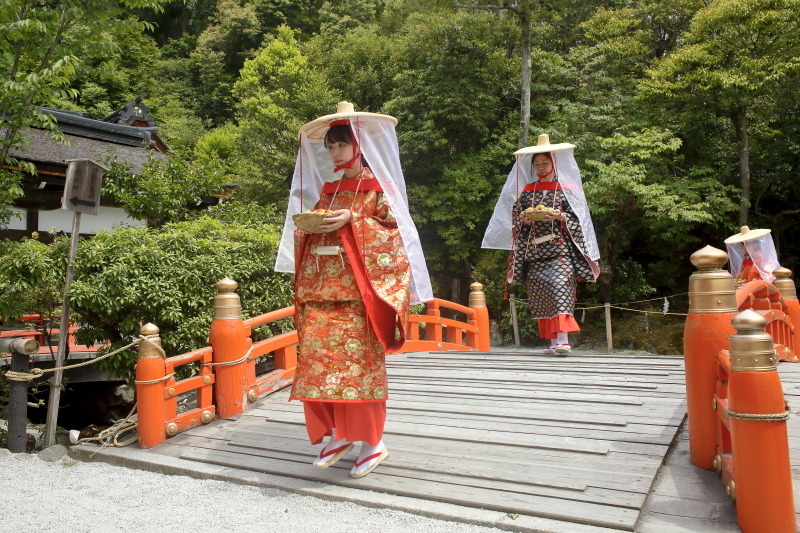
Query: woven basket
x: 536, y: 214
x: 310, y: 222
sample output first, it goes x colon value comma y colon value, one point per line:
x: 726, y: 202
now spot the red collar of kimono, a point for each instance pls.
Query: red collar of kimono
x: 543, y: 186
x: 368, y: 184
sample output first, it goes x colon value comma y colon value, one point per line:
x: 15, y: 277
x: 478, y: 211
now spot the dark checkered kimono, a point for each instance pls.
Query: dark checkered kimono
x: 549, y: 269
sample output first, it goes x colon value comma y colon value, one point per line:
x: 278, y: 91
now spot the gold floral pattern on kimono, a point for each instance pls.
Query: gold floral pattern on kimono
x: 340, y: 356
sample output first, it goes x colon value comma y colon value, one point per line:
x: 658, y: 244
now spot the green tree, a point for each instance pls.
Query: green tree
x: 166, y: 276
x: 38, y: 62
x: 164, y: 189
x: 735, y: 52
x: 277, y: 93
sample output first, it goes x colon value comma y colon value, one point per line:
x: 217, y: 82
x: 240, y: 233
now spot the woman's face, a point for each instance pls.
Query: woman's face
x: 340, y: 152
x: 542, y: 165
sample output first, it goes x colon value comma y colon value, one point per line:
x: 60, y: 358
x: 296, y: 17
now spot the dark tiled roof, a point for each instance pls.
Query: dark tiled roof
x: 76, y: 124
x: 45, y: 150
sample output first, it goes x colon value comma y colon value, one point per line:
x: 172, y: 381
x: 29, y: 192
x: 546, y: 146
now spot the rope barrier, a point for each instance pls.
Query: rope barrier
x: 38, y: 372
x: 151, y: 381
x: 777, y: 417
x: 242, y: 359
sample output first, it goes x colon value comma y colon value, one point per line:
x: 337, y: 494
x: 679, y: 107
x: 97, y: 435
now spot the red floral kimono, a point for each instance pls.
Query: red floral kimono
x: 348, y: 308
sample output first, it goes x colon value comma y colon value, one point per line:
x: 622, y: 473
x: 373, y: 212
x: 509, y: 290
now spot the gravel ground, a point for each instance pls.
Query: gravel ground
x: 78, y: 497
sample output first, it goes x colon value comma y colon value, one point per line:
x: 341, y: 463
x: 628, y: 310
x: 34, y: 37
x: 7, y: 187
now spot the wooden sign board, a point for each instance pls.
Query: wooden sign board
x: 82, y: 189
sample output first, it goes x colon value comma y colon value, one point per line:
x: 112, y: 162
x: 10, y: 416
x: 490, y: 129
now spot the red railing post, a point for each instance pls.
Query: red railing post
x: 784, y: 283
x: 433, y: 332
x: 477, y: 302
x: 762, y: 484
x: 229, y: 339
x: 150, y: 396
x: 712, y: 304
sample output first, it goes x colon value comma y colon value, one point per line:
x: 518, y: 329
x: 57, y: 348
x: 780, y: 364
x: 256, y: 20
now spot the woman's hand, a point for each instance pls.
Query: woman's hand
x: 555, y: 214
x: 339, y: 218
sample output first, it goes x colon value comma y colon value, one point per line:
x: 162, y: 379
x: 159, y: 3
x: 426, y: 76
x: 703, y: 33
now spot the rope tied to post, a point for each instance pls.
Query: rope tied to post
x: 776, y: 417
x: 38, y: 372
x: 242, y: 359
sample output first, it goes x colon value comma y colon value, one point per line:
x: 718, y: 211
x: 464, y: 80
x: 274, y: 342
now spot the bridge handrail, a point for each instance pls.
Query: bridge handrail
x: 438, y: 302
x: 227, y: 367
x: 272, y: 316
x: 734, y: 395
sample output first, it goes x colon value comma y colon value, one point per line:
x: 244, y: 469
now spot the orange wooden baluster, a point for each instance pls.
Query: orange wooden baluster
x: 712, y: 304
x: 150, y: 396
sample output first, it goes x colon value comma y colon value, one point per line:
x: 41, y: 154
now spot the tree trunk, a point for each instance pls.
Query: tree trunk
x: 739, y: 119
x: 525, y: 92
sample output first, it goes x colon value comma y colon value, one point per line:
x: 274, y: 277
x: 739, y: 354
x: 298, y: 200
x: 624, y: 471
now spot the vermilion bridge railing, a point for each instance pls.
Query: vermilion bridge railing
x: 227, y: 382
x: 733, y: 341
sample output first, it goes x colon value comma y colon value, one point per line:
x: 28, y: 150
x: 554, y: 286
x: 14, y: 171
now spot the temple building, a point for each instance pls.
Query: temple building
x: 128, y: 135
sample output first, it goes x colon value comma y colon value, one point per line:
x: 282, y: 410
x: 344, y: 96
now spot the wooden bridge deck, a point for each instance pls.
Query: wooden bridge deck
x: 579, y: 438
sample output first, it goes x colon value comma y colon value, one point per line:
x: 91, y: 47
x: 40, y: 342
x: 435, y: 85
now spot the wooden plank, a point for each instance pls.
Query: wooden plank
x: 406, y: 464
x: 519, y: 411
x: 638, y: 466
x: 505, y: 404
x: 509, y: 502
x: 663, y: 437
x: 631, y: 430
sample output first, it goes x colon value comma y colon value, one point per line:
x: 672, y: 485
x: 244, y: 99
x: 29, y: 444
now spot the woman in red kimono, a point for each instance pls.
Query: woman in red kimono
x: 352, y: 293
x: 752, y: 255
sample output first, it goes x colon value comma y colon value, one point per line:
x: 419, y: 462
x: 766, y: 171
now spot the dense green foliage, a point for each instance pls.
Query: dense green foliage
x: 166, y: 276
x: 671, y: 105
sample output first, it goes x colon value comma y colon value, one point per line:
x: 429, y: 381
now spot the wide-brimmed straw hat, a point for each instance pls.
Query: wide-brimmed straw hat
x: 747, y: 234
x: 317, y: 128
x: 543, y: 146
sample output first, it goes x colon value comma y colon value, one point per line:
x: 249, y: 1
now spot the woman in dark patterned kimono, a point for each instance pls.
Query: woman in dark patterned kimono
x: 354, y: 281
x: 550, y: 255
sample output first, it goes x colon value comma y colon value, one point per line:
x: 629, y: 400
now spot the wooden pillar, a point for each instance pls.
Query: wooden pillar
x: 712, y: 305
x: 762, y: 474
x: 150, y: 396
x: 20, y: 350
x: 229, y: 339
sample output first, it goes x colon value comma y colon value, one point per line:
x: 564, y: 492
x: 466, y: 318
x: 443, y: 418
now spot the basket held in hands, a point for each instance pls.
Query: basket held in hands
x: 310, y: 221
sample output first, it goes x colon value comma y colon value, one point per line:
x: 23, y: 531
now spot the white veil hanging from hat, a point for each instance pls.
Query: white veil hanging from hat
x: 761, y: 250
x: 498, y: 233
x: 378, y: 142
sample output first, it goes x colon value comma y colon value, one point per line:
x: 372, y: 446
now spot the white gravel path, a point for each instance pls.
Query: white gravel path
x: 79, y: 497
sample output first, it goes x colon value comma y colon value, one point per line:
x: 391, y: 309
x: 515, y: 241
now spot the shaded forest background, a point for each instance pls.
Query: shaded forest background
x: 671, y: 103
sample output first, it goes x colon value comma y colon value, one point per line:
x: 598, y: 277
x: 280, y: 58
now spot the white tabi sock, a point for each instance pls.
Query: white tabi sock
x: 366, y: 451
x: 561, y: 339
x: 332, y: 445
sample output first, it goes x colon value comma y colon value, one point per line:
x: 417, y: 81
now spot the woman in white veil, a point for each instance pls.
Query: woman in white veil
x: 354, y: 280
x: 752, y: 255
x: 552, y: 254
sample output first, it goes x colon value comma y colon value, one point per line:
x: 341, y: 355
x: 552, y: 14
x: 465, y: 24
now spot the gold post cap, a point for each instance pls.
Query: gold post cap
x: 709, y: 258
x: 784, y: 283
x: 149, y: 329
x: 748, y: 321
x: 146, y: 349
x: 477, y: 298
x: 751, y: 349
x: 226, y: 285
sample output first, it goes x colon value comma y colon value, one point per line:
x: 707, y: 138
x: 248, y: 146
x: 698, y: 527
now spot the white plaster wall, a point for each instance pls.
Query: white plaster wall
x: 18, y: 223
x: 107, y: 218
